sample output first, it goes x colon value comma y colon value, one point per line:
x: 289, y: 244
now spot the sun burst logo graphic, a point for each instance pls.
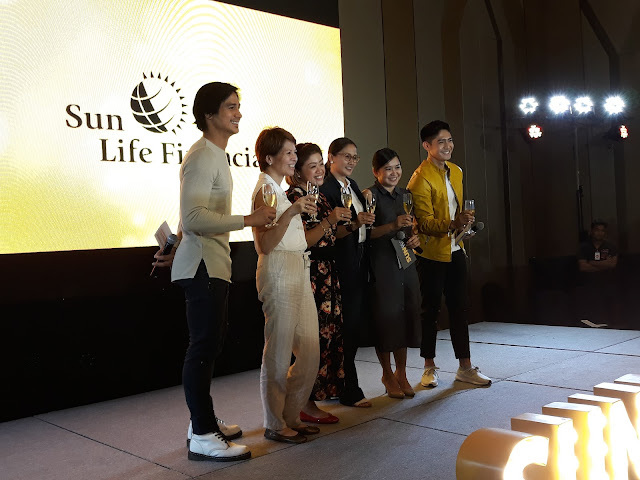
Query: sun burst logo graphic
x: 157, y: 105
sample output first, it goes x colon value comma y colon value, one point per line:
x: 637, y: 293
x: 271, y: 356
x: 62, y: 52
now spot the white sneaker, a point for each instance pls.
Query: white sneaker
x: 472, y: 375
x: 213, y: 446
x: 430, y: 377
x: 230, y: 432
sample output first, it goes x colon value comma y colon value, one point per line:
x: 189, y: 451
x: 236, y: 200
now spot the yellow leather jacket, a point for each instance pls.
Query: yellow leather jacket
x: 431, y: 207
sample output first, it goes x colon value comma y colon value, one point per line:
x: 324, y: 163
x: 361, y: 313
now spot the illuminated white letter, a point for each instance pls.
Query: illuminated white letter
x: 590, y: 448
x: 562, y: 463
x: 630, y: 396
x: 497, y: 454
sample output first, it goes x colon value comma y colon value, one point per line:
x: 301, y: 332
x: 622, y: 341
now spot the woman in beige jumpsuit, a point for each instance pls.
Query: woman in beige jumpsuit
x: 284, y: 287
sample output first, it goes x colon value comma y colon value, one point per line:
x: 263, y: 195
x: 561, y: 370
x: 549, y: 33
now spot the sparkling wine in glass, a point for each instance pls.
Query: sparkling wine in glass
x: 270, y: 198
x: 314, y: 191
x: 407, y: 202
x: 470, y: 205
x: 346, y: 200
x: 371, y: 207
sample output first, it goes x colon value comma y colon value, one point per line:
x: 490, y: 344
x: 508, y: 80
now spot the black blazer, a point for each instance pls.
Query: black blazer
x: 348, y: 262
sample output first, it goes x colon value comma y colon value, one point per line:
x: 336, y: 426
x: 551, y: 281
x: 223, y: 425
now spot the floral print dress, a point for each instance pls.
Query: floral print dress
x: 326, y: 290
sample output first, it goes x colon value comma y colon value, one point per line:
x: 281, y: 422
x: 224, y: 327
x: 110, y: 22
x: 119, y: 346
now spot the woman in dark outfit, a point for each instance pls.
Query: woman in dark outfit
x: 396, y: 291
x: 321, y: 234
x: 352, y: 263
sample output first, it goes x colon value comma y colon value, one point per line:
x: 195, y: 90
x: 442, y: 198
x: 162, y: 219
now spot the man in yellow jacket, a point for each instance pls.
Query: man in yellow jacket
x: 436, y: 186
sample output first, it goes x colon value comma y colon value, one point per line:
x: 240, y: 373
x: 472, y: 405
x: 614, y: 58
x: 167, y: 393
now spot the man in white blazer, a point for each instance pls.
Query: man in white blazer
x: 202, y: 264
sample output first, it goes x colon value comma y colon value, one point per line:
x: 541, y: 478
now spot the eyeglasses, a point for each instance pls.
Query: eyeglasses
x: 350, y: 158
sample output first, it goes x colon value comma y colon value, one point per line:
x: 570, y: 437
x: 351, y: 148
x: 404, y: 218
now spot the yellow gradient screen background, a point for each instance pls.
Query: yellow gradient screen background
x: 78, y: 171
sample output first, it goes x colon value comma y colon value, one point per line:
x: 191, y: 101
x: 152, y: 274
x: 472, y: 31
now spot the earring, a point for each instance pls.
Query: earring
x: 297, y: 175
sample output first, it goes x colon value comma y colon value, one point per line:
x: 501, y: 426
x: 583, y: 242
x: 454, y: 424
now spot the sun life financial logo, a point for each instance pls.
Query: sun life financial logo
x: 157, y: 105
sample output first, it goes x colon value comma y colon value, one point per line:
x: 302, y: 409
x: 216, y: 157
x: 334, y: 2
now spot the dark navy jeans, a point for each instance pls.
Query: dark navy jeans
x: 206, y: 301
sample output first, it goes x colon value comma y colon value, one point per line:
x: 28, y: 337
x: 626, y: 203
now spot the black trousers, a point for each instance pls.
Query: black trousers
x: 351, y: 307
x: 449, y: 278
x: 355, y: 330
x: 206, y: 300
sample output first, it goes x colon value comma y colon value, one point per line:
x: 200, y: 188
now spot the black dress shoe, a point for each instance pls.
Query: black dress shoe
x: 353, y: 397
x: 273, y: 435
x: 306, y: 429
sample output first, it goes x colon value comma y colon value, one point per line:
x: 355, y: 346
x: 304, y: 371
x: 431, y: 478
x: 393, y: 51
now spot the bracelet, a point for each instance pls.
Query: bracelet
x: 327, y: 230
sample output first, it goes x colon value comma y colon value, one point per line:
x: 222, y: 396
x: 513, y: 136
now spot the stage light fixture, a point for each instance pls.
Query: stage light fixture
x: 528, y: 105
x: 534, y: 131
x: 617, y: 133
x: 614, y: 105
x: 583, y: 105
x: 624, y: 131
x: 559, y: 104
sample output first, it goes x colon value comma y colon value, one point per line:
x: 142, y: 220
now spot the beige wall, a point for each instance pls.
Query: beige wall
x: 363, y: 80
x: 621, y: 21
x: 407, y: 62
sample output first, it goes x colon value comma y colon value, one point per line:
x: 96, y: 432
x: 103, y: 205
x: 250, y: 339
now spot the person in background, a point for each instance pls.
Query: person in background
x: 321, y: 233
x: 202, y: 264
x: 351, y: 261
x: 284, y: 288
x: 396, y: 290
x: 597, y: 255
x: 597, y: 260
x: 436, y: 186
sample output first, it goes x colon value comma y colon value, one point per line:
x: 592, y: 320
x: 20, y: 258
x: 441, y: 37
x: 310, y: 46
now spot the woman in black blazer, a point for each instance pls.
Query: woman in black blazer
x: 351, y: 262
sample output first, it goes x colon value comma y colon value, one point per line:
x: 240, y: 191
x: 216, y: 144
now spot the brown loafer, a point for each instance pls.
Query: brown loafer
x: 275, y: 436
x: 306, y: 429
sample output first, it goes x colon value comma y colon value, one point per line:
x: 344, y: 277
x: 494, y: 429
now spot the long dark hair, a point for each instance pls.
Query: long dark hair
x: 336, y: 147
x: 304, y: 151
x: 382, y: 157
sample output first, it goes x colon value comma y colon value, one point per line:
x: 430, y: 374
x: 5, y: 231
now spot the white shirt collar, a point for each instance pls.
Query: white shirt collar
x: 348, y: 185
x: 267, y: 178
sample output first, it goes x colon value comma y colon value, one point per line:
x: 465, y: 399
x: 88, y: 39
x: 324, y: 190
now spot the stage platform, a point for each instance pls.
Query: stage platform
x: 143, y: 436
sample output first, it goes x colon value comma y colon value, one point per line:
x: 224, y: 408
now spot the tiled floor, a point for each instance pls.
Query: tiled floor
x: 143, y: 437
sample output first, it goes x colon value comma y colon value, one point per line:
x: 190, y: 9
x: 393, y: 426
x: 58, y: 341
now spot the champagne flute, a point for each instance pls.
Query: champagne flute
x: 314, y: 191
x: 346, y: 200
x: 371, y: 207
x: 270, y: 198
x: 407, y: 202
x: 470, y: 205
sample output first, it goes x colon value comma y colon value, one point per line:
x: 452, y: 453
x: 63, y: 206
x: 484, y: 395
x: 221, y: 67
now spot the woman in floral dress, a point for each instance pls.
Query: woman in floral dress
x: 321, y: 233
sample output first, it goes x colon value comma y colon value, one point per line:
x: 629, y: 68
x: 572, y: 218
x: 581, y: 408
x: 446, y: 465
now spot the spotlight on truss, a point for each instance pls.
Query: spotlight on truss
x: 528, y: 105
x: 559, y: 104
x: 624, y: 131
x: 534, y: 131
x: 617, y: 133
x: 614, y: 105
x: 583, y: 105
